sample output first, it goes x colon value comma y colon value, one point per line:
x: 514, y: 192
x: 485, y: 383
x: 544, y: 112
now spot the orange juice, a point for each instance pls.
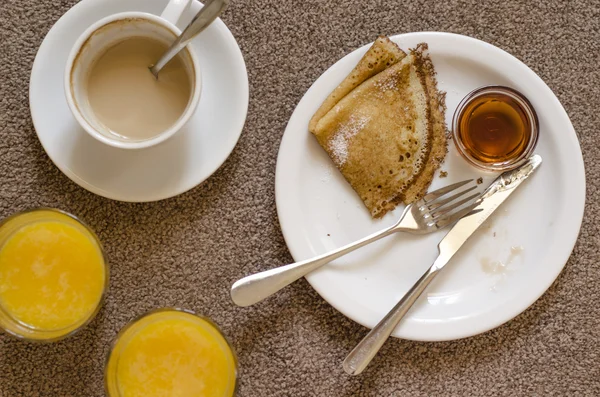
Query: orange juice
x: 171, y: 352
x: 52, y: 274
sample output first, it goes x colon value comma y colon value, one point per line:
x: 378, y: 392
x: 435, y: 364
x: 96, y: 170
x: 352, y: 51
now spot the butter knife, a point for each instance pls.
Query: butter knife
x: 490, y: 199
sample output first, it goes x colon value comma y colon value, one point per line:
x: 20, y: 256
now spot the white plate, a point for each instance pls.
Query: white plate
x: 319, y: 211
x: 156, y: 173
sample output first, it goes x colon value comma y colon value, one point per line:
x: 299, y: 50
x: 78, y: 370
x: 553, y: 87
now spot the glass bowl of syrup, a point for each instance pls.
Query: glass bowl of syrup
x: 495, y: 128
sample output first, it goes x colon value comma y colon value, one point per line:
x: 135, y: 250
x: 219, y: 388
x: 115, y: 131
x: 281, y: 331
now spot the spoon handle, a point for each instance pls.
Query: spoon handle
x: 211, y: 10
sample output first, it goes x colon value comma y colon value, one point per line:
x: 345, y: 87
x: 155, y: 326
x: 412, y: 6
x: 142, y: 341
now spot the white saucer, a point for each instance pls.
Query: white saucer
x: 182, y: 162
x: 319, y: 211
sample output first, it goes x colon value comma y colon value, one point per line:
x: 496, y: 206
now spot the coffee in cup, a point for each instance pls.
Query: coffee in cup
x: 126, y: 97
x: 110, y: 89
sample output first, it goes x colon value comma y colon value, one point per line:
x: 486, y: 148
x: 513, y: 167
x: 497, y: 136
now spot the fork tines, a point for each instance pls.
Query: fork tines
x: 440, y: 207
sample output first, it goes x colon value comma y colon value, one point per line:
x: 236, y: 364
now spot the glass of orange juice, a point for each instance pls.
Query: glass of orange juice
x: 53, y: 275
x: 171, y: 352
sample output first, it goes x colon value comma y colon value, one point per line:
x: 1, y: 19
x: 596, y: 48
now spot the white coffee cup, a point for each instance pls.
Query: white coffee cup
x: 104, y: 34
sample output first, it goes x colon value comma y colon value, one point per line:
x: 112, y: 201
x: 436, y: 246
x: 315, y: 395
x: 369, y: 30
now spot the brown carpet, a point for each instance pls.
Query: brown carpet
x: 186, y: 251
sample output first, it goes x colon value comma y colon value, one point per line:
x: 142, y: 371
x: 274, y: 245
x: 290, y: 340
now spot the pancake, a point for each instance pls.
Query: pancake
x: 384, y: 126
x: 382, y: 54
x: 439, y: 142
x: 379, y: 135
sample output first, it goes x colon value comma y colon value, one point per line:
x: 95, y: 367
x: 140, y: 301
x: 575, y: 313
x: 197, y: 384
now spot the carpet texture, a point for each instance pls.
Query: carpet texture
x: 186, y: 251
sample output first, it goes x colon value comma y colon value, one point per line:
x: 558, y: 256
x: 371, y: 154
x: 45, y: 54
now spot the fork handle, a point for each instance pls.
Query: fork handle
x: 252, y: 289
x: 363, y: 353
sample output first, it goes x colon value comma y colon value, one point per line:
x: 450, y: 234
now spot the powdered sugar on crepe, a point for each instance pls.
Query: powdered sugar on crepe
x: 389, y: 84
x: 339, y: 143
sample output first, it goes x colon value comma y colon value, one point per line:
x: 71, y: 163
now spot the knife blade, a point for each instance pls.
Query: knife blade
x: 489, y: 201
x: 486, y: 204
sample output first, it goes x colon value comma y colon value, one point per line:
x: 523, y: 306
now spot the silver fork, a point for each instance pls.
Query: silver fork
x: 433, y: 212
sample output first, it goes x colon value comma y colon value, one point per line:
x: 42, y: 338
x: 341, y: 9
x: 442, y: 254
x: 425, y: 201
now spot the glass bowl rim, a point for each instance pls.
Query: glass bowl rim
x: 529, y: 111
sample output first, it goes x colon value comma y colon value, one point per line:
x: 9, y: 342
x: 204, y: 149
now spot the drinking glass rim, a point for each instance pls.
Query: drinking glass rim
x: 105, y: 287
x: 140, y: 317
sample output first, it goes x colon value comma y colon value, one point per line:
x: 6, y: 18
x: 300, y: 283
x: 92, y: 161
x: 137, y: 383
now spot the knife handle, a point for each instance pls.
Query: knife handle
x: 363, y: 353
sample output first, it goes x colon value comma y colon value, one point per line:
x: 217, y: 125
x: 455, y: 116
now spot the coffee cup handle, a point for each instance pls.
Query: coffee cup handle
x: 174, y: 9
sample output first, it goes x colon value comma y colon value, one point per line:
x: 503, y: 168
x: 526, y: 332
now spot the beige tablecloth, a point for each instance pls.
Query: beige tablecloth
x: 187, y: 250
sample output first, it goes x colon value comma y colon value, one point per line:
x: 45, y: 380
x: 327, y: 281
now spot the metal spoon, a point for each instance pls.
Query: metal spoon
x: 211, y: 10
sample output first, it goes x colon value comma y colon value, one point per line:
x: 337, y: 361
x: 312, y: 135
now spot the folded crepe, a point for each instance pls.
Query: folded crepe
x: 437, y: 120
x: 383, y: 126
x: 382, y: 54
